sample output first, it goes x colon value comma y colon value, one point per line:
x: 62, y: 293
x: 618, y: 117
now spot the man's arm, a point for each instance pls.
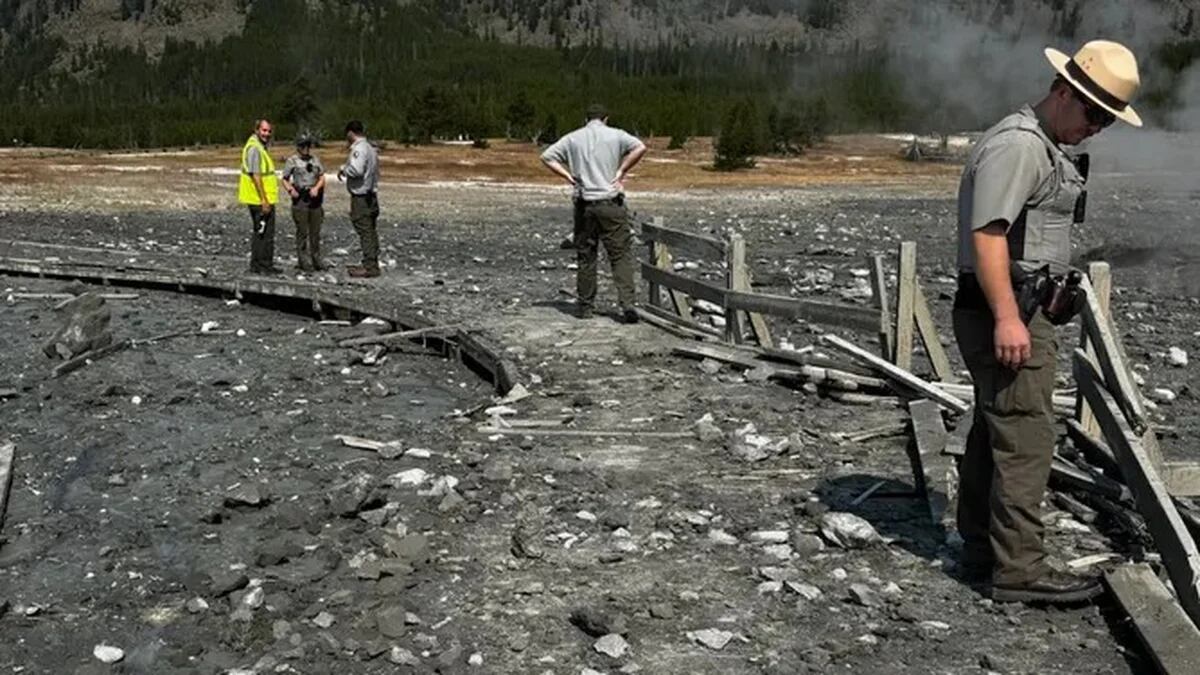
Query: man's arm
x: 254, y: 167
x: 356, y: 165
x: 992, y: 269
x: 1006, y: 177
x: 631, y: 159
x: 555, y: 159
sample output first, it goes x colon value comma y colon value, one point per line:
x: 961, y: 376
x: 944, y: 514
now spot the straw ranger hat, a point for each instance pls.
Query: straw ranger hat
x: 1106, y: 72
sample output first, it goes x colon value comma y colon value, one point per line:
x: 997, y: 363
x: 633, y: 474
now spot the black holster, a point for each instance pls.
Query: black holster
x: 1059, y: 297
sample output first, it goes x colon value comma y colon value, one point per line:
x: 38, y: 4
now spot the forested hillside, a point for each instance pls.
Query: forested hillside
x: 79, y: 72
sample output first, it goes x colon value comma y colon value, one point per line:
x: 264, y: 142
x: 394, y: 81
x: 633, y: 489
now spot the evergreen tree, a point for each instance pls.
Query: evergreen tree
x: 520, y: 117
x: 740, y: 138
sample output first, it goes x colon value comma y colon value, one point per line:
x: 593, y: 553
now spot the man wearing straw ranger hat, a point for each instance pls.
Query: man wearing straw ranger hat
x: 1019, y: 195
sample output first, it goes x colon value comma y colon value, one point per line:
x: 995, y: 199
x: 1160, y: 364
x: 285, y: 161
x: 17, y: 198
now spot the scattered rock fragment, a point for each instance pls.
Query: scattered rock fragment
x: 244, y: 494
x: 863, y: 595
x: 707, y: 430
x: 1177, y: 357
x: 722, y: 538
x: 390, y: 621
x: 612, y: 645
x: 108, y: 653
x: 712, y: 638
x: 848, y: 530
x: 226, y: 582
x: 403, y: 657
x: 747, y: 444
x: 1162, y: 395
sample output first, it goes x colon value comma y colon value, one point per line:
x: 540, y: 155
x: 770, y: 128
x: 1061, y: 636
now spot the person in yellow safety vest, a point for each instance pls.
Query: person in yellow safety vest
x: 258, y: 188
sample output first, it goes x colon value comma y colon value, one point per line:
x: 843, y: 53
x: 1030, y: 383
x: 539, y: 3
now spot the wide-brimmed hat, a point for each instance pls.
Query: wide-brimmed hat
x: 1106, y: 72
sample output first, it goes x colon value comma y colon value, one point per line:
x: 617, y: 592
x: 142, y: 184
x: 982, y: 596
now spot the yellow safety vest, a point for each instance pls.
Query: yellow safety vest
x: 247, y: 194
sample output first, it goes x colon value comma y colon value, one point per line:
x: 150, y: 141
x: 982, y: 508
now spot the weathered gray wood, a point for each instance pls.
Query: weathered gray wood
x: 698, y: 245
x: 201, y: 282
x: 674, y: 325
x: 386, y: 338
x: 1108, y: 356
x: 852, y: 317
x: 1094, y: 449
x: 7, y: 454
x: 1182, y: 478
x: 586, y: 433
x: 929, y: 337
x: 693, y: 287
x: 906, y: 289
x: 879, y: 293
x: 1171, y: 638
x: 933, y: 472
x: 739, y: 280
x: 956, y: 442
x: 1171, y: 537
x: 896, y: 374
x: 735, y: 260
x: 679, y: 300
x: 1101, y: 278
x: 828, y: 377
x: 654, y: 291
x: 1064, y: 473
x: 808, y: 358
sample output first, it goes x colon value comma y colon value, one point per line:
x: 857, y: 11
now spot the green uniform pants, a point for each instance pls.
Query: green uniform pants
x: 1002, y: 477
x: 608, y: 222
x: 364, y: 212
x: 262, y: 239
x: 308, y: 235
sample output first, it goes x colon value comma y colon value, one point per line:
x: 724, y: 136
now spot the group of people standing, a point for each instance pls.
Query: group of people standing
x: 1020, y: 194
x: 303, y: 179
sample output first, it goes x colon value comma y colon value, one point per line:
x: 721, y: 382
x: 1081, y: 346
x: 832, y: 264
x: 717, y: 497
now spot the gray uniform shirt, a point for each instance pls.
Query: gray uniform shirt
x: 362, y: 168
x: 296, y: 170
x: 1018, y: 175
x: 253, y: 161
x: 593, y: 154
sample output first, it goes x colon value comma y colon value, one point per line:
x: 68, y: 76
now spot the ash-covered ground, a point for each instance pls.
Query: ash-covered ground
x: 125, y: 517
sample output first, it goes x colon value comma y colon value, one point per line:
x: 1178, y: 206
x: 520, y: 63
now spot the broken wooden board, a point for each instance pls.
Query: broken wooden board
x: 1064, y: 473
x: 1093, y: 449
x: 739, y: 280
x: 7, y: 455
x: 1171, y: 537
x: 695, y: 245
x: 832, y: 378
x: 879, y: 294
x: 1171, y: 638
x: 679, y: 300
x: 1103, y: 339
x: 586, y: 433
x: 673, y: 324
x: 906, y: 282
x: 1182, y: 478
x: 853, y: 317
x: 933, y: 472
x: 386, y: 338
x: 693, y: 287
x: 927, y: 329
x: 896, y: 374
x: 1101, y: 277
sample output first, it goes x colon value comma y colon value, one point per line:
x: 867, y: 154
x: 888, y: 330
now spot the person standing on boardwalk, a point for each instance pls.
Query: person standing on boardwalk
x: 361, y: 174
x: 304, y: 179
x: 1019, y: 196
x: 259, y: 190
x: 595, y: 159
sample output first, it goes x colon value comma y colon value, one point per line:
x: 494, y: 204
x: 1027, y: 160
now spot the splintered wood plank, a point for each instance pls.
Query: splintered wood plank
x: 1109, y: 356
x: 929, y: 337
x: 897, y: 374
x: 1171, y: 536
x: 1170, y: 637
x: 933, y: 471
x: 887, y: 331
x: 7, y: 453
x: 1101, y: 277
x: 905, y: 302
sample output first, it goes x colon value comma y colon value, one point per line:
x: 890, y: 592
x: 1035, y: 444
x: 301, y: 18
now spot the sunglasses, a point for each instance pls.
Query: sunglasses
x: 1095, y: 115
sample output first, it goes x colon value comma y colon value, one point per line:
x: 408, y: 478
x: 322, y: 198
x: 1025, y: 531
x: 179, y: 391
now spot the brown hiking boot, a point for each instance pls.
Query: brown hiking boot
x: 1052, y: 588
x: 360, y: 272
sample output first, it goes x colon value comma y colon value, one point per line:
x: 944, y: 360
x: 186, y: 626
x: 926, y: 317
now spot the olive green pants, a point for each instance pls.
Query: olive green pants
x: 1002, y: 477
x: 608, y: 222
x: 364, y: 212
x: 308, y: 222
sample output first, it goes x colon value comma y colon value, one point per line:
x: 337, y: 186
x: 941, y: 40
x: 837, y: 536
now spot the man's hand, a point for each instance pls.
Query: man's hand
x: 618, y: 183
x: 266, y: 208
x: 1013, y: 346
x: 314, y: 192
x: 294, y: 192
